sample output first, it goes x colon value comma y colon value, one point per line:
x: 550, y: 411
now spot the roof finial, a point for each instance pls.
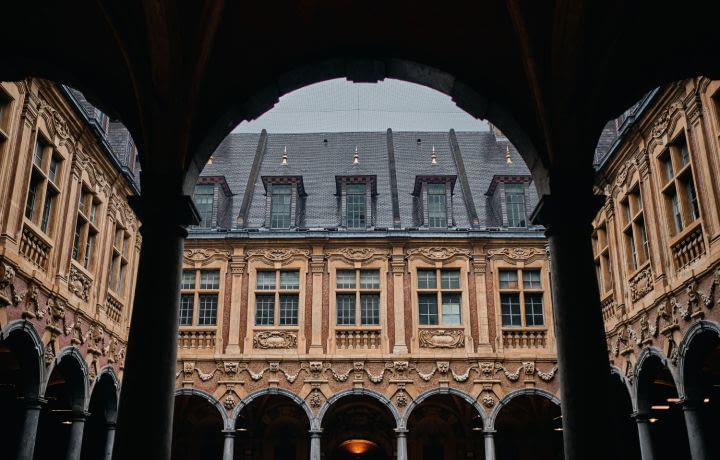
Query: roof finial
x: 433, y: 157
x: 508, y: 158
x: 356, y: 157
x: 284, y: 157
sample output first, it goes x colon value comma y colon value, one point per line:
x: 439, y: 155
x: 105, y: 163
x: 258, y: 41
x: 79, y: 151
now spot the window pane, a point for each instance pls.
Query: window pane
x: 531, y: 279
x: 437, y: 213
x: 515, y: 200
x: 121, y: 275
x: 346, y: 279
x: 288, y: 310
x: 428, y: 308
x: 510, y: 305
x: 264, y: 310
x: 207, y: 309
x: 669, y: 173
x: 345, y: 309
x: 692, y: 199
x: 451, y: 308
x: 210, y: 279
x: 370, y: 279
x: 534, y: 310
x: 508, y: 279
x: 38, y: 153
x: 186, y: 309
x: 450, y: 279
x: 266, y: 280
x: 76, y: 240
x: 427, y: 279
x: 188, y: 279
x: 356, y: 206
x: 52, y: 173
x: 675, y: 207
x: 280, y: 206
x: 32, y: 196
x: 290, y: 280
x: 684, y: 152
x: 88, y: 250
x: 204, y: 195
x: 370, y: 309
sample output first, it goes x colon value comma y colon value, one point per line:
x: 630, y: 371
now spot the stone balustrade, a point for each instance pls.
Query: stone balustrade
x: 34, y: 248
x: 524, y: 338
x: 688, y: 249
x: 358, y: 339
x: 196, y: 339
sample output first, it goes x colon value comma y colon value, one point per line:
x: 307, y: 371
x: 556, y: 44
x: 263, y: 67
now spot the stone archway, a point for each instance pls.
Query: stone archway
x: 445, y: 424
x: 699, y: 366
x: 661, y: 426
x: 528, y: 424
x: 62, y: 419
x: 271, y: 424
x: 624, y: 429
x: 198, y: 424
x: 99, y: 430
x: 21, y: 375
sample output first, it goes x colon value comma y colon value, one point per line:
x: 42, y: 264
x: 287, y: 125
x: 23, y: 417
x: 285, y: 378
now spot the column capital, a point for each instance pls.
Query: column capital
x: 229, y: 433
x: 401, y: 432
x: 552, y: 211
x: 164, y: 210
x: 489, y: 433
x: 641, y: 417
x: 315, y: 433
x: 33, y: 402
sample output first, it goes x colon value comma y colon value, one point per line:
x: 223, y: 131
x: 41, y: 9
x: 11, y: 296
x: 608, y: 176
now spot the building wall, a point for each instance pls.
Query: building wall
x: 653, y: 306
x: 67, y: 303
x: 399, y: 359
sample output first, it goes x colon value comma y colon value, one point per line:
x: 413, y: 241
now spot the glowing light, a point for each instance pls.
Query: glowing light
x: 66, y: 422
x: 557, y: 429
x: 673, y: 400
x: 660, y: 407
x: 706, y: 400
x: 652, y: 420
x: 358, y: 446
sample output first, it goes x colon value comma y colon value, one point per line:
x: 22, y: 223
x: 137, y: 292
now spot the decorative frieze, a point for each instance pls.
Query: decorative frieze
x: 438, y: 253
x: 357, y: 254
x: 278, y: 254
x: 517, y: 253
x: 441, y: 338
x: 641, y: 284
x: 205, y: 255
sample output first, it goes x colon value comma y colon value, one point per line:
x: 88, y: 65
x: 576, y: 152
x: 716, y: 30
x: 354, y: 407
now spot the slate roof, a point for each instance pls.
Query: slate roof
x: 320, y: 157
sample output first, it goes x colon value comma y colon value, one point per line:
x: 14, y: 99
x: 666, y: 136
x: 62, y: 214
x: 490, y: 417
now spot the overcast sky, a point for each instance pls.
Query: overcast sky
x: 340, y: 105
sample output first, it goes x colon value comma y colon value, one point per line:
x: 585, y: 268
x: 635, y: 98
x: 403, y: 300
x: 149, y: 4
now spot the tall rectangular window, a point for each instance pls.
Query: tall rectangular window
x: 601, y: 251
x: 681, y: 201
x: 277, y: 297
x: 118, y: 260
x: 280, y: 206
x: 521, y: 298
x: 199, y: 294
x: 203, y: 197
x: 44, y: 189
x: 356, y: 206
x: 439, y: 305
x: 357, y: 297
x: 515, y: 203
x: 86, y: 228
x: 437, y: 206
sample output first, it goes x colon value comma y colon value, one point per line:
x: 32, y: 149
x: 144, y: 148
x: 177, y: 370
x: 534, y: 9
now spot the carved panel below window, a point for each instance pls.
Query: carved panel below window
x: 442, y: 338
x: 275, y: 340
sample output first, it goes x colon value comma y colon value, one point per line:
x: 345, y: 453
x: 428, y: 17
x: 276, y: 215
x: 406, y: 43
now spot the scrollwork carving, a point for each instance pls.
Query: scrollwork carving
x: 518, y: 253
x: 275, y: 340
x: 442, y: 338
x: 438, y: 253
x: 79, y: 284
x: 279, y: 254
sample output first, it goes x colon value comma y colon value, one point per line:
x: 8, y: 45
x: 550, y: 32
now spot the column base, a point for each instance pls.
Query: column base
x: 398, y: 349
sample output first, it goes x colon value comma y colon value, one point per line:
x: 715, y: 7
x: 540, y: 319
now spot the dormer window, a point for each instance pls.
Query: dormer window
x: 433, y: 205
x: 508, y: 201
x: 356, y: 201
x: 204, y: 197
x: 284, y: 201
x: 515, y: 205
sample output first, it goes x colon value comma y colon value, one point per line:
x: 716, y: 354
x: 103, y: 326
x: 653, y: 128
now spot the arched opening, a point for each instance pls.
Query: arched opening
x: 445, y: 427
x: 19, y: 379
x: 358, y: 418
x: 65, y: 395
x: 272, y: 427
x: 701, y: 375
x: 197, y: 429
x: 658, y: 401
x: 624, y: 427
x: 529, y: 426
x: 103, y: 414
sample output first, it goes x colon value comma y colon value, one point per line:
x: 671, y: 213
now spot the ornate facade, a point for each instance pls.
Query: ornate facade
x: 69, y: 245
x: 305, y: 329
x: 656, y: 255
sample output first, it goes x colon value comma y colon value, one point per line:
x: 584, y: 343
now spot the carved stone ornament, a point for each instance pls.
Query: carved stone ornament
x: 442, y: 338
x: 79, y: 284
x: 275, y: 340
x: 32, y: 302
x: 229, y: 402
x: 443, y: 367
x: 204, y: 255
x: 96, y: 339
x: 7, y: 287
x: 661, y: 123
x: 641, y: 284
x: 529, y: 368
x: 516, y: 253
x: 188, y: 367
x: 231, y: 367
x: 316, y: 398
x: 357, y: 254
x: 55, y: 316
x: 278, y: 255
x: 488, y: 401
x: 401, y: 398
x: 315, y: 367
x: 56, y: 120
x: 488, y: 369
x: 401, y: 366
x: 438, y: 253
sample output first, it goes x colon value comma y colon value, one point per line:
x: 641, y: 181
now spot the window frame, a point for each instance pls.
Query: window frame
x: 358, y: 292
x: 44, y: 218
x: 274, y: 205
x: 277, y: 292
x: 120, y: 248
x: 439, y: 292
x: 197, y: 291
x: 444, y: 218
x: 602, y: 259
x: 508, y: 186
x: 521, y: 291
x: 675, y: 179
x: 209, y: 222
x: 87, y: 228
x: 636, y: 245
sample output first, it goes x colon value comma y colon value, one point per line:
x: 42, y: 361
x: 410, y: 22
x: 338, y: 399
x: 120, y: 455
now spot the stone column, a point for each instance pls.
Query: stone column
x: 489, y: 444
x: 579, y: 331
x: 109, y: 441
x: 694, y: 425
x: 76, y: 436
x: 646, y: 446
x: 397, y: 265
x: 229, y: 445
x: 402, y: 453
x: 26, y: 446
x: 237, y: 268
x: 317, y: 269
x: 315, y: 448
x: 150, y: 364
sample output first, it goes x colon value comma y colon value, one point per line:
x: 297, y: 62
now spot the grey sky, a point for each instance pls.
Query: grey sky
x: 339, y: 105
